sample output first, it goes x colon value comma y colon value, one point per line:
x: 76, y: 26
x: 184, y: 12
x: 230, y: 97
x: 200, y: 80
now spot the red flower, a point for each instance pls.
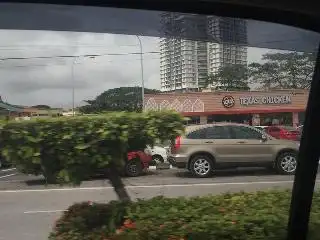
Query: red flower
x: 222, y: 210
x: 129, y: 224
x: 176, y: 238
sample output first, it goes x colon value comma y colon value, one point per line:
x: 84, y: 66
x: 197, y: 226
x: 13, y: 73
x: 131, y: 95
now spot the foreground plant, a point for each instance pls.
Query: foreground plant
x: 70, y: 150
x: 239, y: 216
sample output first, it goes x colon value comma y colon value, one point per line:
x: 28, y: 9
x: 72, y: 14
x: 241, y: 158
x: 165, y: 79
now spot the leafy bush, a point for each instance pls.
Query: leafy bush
x: 72, y: 149
x: 239, y: 216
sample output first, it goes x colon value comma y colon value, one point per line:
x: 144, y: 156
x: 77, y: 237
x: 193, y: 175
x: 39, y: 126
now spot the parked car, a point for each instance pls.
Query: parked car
x: 159, y: 154
x: 300, y: 128
x: 263, y: 128
x: 205, y: 148
x: 137, y: 162
x: 284, y: 132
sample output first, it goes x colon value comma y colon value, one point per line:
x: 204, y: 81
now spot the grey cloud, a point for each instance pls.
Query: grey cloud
x: 31, y: 82
x: 59, y: 77
x: 15, y: 43
x: 31, y: 86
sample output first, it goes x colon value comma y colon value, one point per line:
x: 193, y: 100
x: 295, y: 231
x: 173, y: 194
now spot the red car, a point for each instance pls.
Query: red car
x: 284, y: 132
x: 137, y: 162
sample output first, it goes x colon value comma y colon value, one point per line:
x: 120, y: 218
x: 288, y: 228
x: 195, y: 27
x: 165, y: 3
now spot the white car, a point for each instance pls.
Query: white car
x: 262, y: 128
x: 159, y: 154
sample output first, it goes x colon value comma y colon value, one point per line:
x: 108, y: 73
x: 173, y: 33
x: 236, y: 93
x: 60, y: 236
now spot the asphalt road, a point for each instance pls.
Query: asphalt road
x: 29, y: 207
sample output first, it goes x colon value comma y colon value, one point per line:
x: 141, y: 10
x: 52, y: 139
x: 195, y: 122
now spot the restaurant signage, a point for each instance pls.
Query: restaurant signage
x: 228, y: 101
x: 268, y: 100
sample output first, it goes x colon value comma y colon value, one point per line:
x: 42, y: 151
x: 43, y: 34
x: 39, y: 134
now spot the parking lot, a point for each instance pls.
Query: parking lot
x: 29, y: 207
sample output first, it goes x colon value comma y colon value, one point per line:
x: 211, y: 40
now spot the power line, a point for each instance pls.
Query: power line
x: 63, y: 45
x: 77, y: 56
x: 61, y: 64
x: 41, y: 47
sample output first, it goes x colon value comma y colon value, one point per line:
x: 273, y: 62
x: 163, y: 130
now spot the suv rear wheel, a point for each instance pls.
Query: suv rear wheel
x: 201, y: 166
x: 286, y: 163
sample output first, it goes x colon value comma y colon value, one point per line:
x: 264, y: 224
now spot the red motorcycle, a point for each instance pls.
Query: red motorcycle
x: 137, y: 162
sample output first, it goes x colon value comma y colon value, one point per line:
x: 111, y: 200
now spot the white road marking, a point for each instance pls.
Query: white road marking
x: 8, y: 169
x: 131, y: 187
x: 148, y: 186
x: 45, y: 211
x: 9, y: 175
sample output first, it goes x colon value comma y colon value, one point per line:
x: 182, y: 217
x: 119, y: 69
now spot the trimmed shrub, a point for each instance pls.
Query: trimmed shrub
x: 73, y: 149
x: 88, y: 220
x: 239, y: 216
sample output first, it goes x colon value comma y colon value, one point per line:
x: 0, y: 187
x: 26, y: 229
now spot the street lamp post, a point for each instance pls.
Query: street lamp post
x: 76, y: 58
x: 73, y: 82
x: 141, y: 67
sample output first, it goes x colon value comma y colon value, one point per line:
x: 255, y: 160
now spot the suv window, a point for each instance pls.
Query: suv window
x: 197, y: 134
x: 217, y: 132
x: 241, y: 132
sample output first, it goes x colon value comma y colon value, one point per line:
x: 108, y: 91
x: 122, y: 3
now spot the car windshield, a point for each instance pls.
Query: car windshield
x: 96, y: 105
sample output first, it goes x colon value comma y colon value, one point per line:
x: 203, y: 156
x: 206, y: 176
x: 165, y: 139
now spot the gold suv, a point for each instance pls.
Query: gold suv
x: 204, y: 148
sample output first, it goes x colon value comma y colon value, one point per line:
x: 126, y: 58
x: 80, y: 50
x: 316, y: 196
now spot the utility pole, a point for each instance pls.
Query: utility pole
x: 141, y: 69
x: 73, y: 82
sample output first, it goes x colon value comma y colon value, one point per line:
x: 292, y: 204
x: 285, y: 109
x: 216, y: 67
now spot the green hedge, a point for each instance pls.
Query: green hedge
x: 240, y: 216
x: 72, y: 149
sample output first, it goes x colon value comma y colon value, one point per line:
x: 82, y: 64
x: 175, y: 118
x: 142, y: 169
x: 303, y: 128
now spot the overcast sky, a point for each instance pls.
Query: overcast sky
x: 49, y: 81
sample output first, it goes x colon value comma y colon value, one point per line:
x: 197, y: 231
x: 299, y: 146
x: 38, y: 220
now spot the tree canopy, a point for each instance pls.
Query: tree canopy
x: 231, y: 77
x: 41, y: 107
x: 291, y: 70
x: 117, y: 99
x: 283, y: 70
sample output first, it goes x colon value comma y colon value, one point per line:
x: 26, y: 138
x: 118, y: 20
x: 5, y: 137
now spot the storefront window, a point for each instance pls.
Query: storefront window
x: 301, y: 117
x: 193, y: 120
x: 269, y: 119
x: 236, y: 118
